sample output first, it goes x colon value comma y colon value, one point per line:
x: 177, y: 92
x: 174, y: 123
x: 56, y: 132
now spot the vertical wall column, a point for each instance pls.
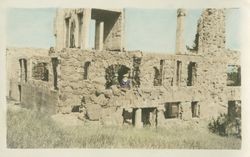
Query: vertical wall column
x: 55, y: 75
x: 138, y: 121
x: 59, y: 29
x: 85, y: 29
x: 99, y: 35
x: 79, y: 28
x: 180, y: 39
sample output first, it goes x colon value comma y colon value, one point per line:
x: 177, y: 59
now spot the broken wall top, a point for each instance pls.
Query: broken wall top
x: 211, y: 32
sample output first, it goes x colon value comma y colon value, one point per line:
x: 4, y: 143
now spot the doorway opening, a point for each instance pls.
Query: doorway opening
x: 149, y: 116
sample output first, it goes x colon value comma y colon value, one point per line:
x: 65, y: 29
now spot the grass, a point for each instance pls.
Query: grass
x: 26, y: 129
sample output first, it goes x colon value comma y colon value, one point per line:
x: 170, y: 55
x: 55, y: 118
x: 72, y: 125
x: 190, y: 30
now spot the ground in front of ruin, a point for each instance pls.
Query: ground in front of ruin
x: 29, y: 129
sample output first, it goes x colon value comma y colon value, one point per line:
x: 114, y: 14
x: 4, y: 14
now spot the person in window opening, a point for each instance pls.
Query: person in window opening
x: 125, y: 83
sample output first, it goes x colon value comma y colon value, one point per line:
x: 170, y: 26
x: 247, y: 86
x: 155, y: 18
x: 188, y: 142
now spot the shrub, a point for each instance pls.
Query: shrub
x: 30, y: 129
x: 225, y: 125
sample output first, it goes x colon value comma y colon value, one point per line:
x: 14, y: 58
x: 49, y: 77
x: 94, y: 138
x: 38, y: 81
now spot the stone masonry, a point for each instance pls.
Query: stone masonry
x: 192, y: 84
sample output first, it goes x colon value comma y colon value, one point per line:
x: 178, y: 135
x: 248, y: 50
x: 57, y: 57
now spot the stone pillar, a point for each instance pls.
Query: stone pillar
x: 99, y: 35
x: 85, y: 29
x: 138, y: 122
x: 180, y: 41
x: 59, y: 32
x: 160, y: 116
x: 67, y: 30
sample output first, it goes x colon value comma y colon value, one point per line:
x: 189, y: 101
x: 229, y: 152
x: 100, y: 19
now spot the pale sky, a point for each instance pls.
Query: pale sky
x: 151, y: 30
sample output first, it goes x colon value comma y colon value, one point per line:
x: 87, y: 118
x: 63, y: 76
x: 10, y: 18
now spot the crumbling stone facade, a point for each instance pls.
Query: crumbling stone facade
x: 185, y: 86
x: 72, y: 28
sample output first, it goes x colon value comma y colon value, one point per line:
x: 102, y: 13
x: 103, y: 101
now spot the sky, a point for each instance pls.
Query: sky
x: 148, y: 30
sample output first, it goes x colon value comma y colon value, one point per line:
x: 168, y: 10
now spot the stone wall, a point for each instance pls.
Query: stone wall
x: 13, y: 68
x: 39, y: 97
x: 90, y: 92
x: 73, y: 26
x: 214, y: 83
x: 113, y: 36
x: 90, y: 80
x: 31, y: 92
x: 209, y: 89
x: 211, y: 32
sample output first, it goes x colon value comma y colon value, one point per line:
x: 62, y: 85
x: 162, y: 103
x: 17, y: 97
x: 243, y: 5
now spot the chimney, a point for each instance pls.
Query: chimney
x: 180, y: 42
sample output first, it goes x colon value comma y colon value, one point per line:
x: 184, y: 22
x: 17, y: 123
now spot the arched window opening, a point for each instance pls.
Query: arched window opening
x: 115, y: 74
x: 86, y: 69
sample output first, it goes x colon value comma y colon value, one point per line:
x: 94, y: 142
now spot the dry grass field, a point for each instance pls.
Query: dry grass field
x: 27, y: 129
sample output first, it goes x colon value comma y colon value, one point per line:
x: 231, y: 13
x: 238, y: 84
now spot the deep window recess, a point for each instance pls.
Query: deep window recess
x: 172, y: 110
x: 233, y: 75
x: 25, y: 69
x: 40, y: 71
x: 195, y: 109
x: 192, y: 73
x: 86, y: 70
x: 72, y: 39
x: 157, y: 77
x: 20, y: 69
x: 234, y: 109
x: 158, y: 74
x: 149, y: 116
x: 178, y: 73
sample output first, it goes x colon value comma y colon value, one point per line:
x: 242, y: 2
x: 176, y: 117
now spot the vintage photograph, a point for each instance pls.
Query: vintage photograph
x: 123, y: 78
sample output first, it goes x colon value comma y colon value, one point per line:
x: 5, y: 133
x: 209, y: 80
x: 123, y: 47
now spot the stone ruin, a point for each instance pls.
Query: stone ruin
x: 196, y: 83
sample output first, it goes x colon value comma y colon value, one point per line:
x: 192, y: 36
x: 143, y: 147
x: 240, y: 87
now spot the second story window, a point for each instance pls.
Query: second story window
x: 233, y: 75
